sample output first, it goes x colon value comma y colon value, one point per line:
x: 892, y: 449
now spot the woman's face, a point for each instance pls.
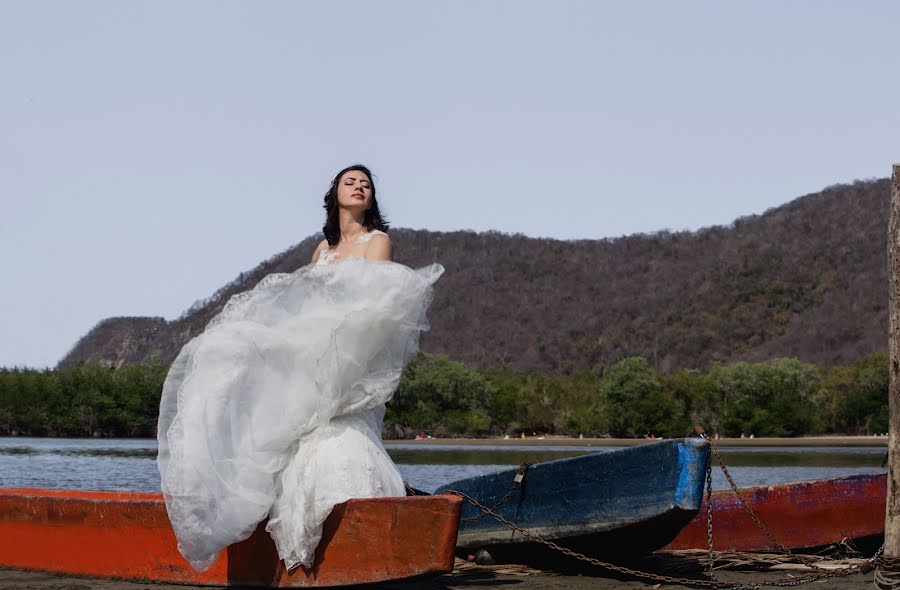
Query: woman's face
x: 354, y: 190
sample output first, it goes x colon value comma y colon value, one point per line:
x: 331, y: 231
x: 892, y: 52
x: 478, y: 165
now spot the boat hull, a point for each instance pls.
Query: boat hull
x: 128, y: 536
x: 801, y: 515
x: 627, y: 501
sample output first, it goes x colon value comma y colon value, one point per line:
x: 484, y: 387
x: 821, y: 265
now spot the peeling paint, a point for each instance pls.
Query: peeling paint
x: 800, y: 515
x: 120, y: 535
x: 591, y: 494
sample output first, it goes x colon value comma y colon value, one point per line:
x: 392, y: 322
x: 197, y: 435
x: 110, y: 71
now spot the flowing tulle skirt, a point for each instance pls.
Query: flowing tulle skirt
x: 276, y: 408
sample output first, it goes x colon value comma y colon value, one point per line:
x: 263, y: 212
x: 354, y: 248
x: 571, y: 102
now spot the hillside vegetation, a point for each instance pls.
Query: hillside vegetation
x: 784, y: 397
x: 807, y: 280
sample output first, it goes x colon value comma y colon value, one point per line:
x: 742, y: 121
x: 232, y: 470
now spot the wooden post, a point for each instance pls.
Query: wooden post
x: 892, y: 516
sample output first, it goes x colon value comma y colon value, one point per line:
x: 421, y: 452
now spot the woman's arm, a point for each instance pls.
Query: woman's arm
x: 379, y: 248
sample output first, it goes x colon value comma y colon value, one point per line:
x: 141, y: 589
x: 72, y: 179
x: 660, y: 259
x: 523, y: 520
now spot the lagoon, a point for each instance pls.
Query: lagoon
x: 129, y: 464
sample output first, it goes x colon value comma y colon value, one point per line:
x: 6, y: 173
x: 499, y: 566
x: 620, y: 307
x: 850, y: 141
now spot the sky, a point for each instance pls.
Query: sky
x: 150, y: 151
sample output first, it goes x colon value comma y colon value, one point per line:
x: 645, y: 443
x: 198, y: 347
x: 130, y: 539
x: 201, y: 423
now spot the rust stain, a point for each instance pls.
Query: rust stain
x: 114, y: 534
x: 803, y: 514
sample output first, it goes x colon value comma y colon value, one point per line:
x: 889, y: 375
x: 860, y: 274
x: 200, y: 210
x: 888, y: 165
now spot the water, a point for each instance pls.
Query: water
x: 130, y: 465
x: 79, y: 464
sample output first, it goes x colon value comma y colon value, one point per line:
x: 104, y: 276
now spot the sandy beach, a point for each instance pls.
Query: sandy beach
x: 559, y: 441
x: 459, y: 580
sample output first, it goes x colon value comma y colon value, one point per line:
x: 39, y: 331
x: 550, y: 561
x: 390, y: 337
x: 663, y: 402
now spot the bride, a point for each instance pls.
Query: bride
x: 276, y: 408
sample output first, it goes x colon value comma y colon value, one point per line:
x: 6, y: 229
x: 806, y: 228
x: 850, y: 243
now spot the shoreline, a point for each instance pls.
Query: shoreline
x: 559, y: 441
x: 563, y: 441
x: 471, y: 577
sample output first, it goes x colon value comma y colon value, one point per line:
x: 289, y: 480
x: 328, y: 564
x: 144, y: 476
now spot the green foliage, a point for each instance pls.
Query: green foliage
x: 537, y: 402
x: 783, y: 397
x: 855, y: 399
x: 437, y: 394
x: 697, y: 394
x: 774, y: 398
x: 637, y: 403
x: 83, y: 400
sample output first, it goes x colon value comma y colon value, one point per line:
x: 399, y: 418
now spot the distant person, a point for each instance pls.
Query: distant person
x: 276, y: 408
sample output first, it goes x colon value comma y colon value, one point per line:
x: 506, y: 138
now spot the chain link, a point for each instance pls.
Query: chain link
x: 818, y: 572
x: 851, y: 569
x: 709, y: 518
x: 574, y: 554
x: 713, y: 583
x: 744, y: 504
x: 517, y: 483
x: 759, y: 523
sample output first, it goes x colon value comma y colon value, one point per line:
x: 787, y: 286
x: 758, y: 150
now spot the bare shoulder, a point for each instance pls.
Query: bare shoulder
x: 323, y: 245
x: 379, y: 247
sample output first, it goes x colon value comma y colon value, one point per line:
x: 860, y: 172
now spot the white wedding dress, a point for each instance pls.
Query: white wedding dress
x: 276, y: 408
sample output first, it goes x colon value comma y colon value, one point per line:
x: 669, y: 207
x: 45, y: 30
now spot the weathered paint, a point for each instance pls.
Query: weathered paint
x: 692, y: 469
x: 892, y: 507
x: 593, y: 494
x: 800, y: 515
x: 128, y: 535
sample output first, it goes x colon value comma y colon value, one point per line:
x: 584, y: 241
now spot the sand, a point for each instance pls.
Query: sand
x: 559, y: 441
x: 464, y: 580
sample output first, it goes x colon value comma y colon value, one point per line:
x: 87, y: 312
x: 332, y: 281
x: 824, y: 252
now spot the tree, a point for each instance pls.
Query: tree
x: 438, y: 394
x: 637, y: 403
x: 769, y: 399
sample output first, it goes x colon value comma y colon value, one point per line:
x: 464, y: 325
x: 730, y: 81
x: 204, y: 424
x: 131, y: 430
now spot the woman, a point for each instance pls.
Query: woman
x: 276, y: 408
x: 353, y: 225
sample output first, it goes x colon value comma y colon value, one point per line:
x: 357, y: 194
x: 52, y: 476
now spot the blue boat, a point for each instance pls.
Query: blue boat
x: 611, y: 504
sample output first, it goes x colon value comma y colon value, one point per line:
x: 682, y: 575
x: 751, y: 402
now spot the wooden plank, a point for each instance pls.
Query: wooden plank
x: 128, y: 535
x: 892, y: 511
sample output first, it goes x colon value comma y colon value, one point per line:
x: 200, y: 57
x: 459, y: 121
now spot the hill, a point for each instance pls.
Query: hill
x: 806, y: 280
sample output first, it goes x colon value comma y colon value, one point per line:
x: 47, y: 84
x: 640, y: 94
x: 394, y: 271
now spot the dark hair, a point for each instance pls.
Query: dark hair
x: 371, y: 220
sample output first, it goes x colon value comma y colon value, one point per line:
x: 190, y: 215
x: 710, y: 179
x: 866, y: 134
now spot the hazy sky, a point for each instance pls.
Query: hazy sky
x: 151, y: 151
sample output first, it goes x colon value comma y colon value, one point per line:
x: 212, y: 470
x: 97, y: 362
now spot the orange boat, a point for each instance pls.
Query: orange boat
x: 128, y: 536
x: 801, y: 515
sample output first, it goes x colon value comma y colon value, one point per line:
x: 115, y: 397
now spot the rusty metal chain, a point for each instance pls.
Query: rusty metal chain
x: 574, y: 554
x: 744, y: 504
x: 709, y: 518
x: 517, y: 483
x: 759, y: 523
x: 867, y: 566
x: 819, y: 573
x: 782, y: 582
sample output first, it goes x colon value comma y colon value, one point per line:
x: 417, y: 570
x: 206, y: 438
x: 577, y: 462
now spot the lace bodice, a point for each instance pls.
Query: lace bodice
x: 330, y: 255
